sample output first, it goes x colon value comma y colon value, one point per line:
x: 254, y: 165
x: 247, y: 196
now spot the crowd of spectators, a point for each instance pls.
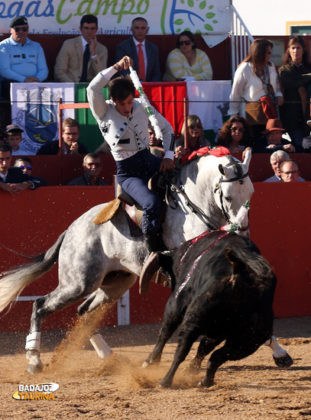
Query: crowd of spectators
x: 288, y: 90
x: 81, y: 58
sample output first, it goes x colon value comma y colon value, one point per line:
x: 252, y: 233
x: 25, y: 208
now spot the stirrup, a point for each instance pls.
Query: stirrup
x: 149, y: 270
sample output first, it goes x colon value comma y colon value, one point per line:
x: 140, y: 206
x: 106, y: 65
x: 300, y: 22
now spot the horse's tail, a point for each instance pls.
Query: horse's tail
x: 12, y: 282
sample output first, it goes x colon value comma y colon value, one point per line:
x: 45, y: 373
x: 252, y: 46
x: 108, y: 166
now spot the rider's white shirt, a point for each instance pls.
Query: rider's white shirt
x: 125, y: 135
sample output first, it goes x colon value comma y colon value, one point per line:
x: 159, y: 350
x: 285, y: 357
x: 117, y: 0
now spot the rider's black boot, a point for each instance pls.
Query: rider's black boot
x: 154, y: 242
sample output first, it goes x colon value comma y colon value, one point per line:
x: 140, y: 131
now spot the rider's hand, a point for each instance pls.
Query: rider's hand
x: 125, y: 62
x: 166, y: 165
x: 180, y: 152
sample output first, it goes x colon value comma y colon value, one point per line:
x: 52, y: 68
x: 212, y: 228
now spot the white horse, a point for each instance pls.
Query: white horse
x: 101, y: 262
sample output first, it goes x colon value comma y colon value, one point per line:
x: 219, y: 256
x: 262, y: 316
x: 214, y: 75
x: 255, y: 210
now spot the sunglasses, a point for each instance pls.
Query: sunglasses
x: 192, y: 126
x: 184, y: 42
x: 25, y: 167
x: 240, y: 130
x: 21, y: 29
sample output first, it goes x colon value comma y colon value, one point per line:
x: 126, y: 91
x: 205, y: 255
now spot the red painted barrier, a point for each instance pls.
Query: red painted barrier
x: 279, y: 224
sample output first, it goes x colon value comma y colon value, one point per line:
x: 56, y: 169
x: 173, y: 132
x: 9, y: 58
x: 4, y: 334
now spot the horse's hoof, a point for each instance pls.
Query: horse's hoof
x: 145, y: 364
x: 284, y: 361
x: 35, y: 368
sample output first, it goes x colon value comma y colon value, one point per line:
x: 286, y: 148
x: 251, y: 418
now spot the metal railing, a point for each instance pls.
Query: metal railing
x: 241, y: 39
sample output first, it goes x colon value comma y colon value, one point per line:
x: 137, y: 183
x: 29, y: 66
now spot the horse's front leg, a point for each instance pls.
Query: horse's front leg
x: 280, y: 355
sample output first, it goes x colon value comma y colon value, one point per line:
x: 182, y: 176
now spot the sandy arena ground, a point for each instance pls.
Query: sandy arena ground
x: 118, y: 388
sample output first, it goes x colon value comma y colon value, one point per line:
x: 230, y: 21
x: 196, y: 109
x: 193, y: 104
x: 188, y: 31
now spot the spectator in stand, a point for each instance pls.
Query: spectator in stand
x: 21, y: 60
x: 70, y: 144
x: 234, y: 134
x: 195, y: 137
x: 81, y: 58
x: 12, y: 179
x: 275, y: 160
x: 250, y: 84
x: 14, y: 138
x: 295, y: 76
x: 144, y: 54
x: 186, y: 61
x: 272, y: 139
x: 26, y: 167
x: 92, y: 167
x: 155, y: 145
x: 290, y: 171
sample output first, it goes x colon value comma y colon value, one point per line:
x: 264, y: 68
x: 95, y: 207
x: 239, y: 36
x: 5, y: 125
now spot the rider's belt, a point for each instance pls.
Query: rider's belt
x: 124, y: 141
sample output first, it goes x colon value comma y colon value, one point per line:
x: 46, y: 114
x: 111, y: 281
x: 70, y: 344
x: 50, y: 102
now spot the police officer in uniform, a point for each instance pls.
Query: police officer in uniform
x: 124, y: 124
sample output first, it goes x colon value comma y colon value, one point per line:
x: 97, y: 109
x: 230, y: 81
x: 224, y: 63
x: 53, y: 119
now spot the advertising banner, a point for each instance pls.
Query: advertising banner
x: 211, y: 18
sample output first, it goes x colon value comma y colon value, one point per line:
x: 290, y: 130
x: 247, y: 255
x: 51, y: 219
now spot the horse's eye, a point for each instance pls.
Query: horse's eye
x: 229, y: 199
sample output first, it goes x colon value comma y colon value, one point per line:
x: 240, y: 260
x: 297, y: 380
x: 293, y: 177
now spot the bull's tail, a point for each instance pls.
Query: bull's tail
x: 12, y: 282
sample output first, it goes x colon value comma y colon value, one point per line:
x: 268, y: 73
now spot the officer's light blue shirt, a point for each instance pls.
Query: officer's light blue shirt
x: 17, y: 61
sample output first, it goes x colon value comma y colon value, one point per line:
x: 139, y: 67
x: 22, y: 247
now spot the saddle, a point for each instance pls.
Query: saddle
x: 132, y: 209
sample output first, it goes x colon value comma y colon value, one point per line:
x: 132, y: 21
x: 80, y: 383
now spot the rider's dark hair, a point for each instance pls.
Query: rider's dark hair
x: 120, y: 88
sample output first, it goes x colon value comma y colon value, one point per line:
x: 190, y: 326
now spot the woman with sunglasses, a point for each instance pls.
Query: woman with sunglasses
x: 254, y: 78
x: 186, y: 61
x: 195, y: 137
x: 234, y: 134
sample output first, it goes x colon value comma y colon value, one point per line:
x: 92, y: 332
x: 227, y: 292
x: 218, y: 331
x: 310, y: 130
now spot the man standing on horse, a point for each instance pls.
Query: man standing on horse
x: 123, y: 122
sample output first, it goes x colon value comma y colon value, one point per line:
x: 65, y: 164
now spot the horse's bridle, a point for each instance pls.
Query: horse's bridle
x: 218, y: 187
x: 193, y: 207
x: 179, y: 190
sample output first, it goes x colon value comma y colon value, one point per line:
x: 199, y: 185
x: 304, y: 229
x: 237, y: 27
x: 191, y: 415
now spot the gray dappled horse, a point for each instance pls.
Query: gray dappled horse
x: 101, y: 262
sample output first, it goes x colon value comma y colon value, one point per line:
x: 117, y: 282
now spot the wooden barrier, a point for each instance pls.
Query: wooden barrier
x: 279, y: 225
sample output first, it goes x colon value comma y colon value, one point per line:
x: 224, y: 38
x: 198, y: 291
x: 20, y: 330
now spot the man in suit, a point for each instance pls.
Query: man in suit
x: 12, y: 179
x: 81, y: 58
x: 132, y: 47
x: 70, y: 144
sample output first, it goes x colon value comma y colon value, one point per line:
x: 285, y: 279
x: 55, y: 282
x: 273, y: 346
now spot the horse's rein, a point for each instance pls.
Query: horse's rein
x: 195, y: 209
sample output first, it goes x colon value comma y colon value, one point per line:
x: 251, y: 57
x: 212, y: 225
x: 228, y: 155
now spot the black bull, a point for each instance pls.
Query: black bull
x: 222, y: 289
